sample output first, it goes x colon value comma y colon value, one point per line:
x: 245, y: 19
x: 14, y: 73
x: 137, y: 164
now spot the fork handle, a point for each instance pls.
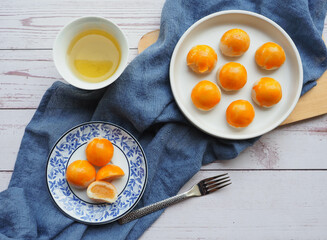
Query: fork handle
x: 152, y: 208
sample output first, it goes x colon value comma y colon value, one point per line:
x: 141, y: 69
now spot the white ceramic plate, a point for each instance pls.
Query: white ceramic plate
x: 128, y: 155
x: 209, y: 30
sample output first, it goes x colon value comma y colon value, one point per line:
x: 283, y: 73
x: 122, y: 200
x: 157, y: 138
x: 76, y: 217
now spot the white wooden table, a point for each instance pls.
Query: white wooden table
x: 279, y: 185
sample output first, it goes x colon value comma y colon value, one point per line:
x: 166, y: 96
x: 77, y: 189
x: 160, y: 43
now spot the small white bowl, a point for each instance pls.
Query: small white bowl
x: 67, y: 34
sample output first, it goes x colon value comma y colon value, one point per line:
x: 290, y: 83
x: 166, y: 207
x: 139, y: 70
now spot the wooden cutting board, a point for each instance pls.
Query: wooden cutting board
x: 311, y: 104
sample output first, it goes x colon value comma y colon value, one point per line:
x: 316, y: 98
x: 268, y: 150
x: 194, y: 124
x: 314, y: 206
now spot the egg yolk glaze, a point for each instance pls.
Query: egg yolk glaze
x: 266, y: 92
x: 232, y: 76
x: 234, y: 42
x: 240, y: 113
x: 80, y: 173
x: 205, y: 95
x: 270, y: 56
x: 99, y: 151
x: 201, y: 59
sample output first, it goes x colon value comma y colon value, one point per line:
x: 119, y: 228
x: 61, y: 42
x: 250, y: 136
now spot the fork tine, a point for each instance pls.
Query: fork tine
x: 215, y: 189
x: 215, y: 177
x: 215, y: 181
x: 217, y: 184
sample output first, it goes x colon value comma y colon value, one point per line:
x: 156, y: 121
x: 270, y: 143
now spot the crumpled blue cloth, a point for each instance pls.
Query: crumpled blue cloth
x: 141, y: 101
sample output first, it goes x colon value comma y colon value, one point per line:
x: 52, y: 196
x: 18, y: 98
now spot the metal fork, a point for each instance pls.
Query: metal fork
x: 204, y: 187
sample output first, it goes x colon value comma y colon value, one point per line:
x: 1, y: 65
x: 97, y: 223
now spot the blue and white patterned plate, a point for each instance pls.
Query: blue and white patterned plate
x: 128, y: 154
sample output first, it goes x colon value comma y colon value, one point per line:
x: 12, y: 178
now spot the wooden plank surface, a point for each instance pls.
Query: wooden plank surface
x: 13, y: 123
x: 311, y: 104
x: 273, y: 151
x: 25, y: 76
x: 278, y: 189
x: 4, y: 180
x: 258, y: 205
x: 34, y: 24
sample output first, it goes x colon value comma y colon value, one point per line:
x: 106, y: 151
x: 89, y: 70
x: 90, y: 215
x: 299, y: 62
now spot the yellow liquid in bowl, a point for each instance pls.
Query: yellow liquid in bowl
x: 93, y: 55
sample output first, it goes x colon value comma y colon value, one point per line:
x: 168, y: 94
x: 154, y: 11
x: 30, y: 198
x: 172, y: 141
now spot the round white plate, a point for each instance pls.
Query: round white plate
x: 128, y: 154
x: 208, y: 31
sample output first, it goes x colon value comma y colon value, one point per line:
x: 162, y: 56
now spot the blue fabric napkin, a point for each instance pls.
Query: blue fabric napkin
x: 141, y: 101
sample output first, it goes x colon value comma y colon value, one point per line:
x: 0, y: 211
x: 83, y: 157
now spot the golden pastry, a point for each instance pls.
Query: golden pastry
x: 240, y: 114
x: 234, y: 43
x: 270, y: 56
x: 201, y: 59
x: 266, y: 92
x: 205, y: 95
x: 232, y: 76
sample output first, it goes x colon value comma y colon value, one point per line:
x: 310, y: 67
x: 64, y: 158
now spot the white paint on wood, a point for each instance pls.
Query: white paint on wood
x: 4, y: 180
x: 262, y: 204
x: 35, y: 24
x: 26, y: 75
x: 258, y: 205
x: 324, y: 32
x: 12, y: 126
x: 297, y: 146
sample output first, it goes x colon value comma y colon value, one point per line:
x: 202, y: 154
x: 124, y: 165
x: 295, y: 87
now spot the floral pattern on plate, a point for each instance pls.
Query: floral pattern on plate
x: 64, y: 196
